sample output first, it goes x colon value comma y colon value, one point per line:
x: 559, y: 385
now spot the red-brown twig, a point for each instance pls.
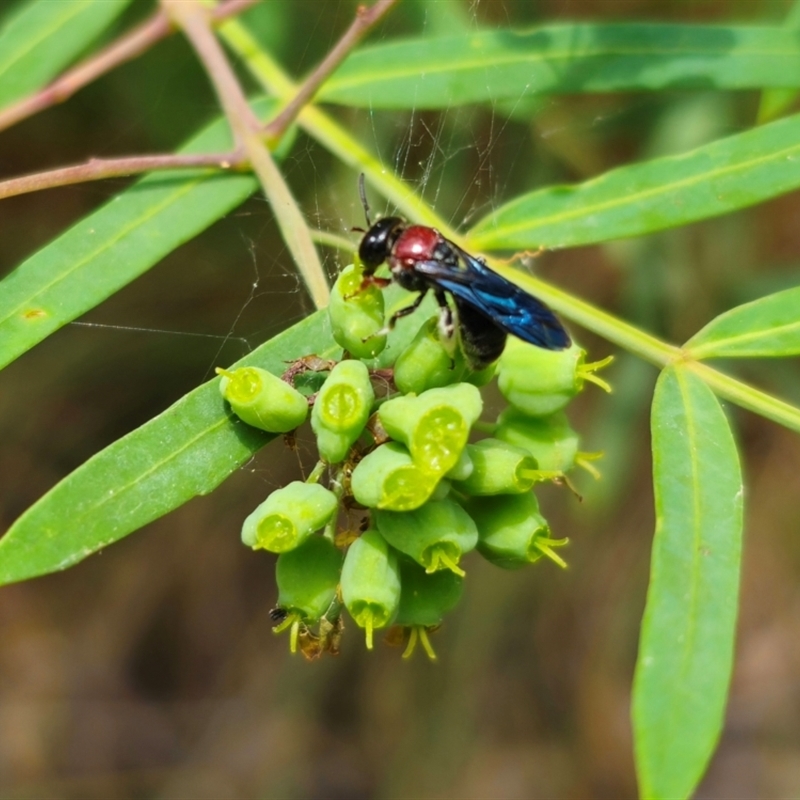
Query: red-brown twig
x: 193, y: 19
x: 99, y: 168
x: 365, y: 19
x: 127, y: 47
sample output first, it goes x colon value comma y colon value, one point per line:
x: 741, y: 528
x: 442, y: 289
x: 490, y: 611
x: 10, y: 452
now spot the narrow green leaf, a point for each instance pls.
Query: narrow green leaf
x: 487, y: 66
x: 43, y: 37
x: 187, y: 450
x: 766, y: 327
x: 715, y: 179
x: 115, y: 244
x: 687, y: 639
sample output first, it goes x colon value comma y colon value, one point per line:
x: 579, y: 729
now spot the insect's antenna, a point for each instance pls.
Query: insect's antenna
x: 362, y: 191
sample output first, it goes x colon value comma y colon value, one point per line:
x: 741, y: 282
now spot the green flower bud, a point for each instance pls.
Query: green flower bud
x: 357, y: 314
x: 388, y: 478
x: 371, y: 583
x: 434, y: 425
x: 262, y: 399
x: 550, y: 440
x: 481, y: 377
x: 289, y: 516
x: 511, y: 531
x: 441, y: 490
x: 435, y: 535
x: 307, y: 578
x: 426, y: 363
x: 342, y: 409
x: 499, y: 468
x: 463, y: 468
x: 541, y: 382
x: 426, y: 597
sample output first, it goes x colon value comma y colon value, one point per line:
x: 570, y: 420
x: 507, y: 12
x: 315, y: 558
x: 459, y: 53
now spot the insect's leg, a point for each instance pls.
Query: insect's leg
x: 367, y: 281
x: 446, y: 323
x: 447, y: 327
x: 374, y: 280
x: 404, y: 312
x: 401, y: 313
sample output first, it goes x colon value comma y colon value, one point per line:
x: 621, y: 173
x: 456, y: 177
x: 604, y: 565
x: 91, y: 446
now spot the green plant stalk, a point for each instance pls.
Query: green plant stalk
x: 611, y: 328
x: 328, y: 132
x: 657, y: 352
x: 746, y: 396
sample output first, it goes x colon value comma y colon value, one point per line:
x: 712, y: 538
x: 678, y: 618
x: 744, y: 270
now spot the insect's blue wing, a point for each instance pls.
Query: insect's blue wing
x: 508, y: 306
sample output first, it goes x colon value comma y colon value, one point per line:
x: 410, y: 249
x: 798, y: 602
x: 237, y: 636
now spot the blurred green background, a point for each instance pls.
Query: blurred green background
x: 151, y: 670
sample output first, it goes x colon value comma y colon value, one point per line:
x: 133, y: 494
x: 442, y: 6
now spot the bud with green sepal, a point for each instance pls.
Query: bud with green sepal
x: 341, y: 409
x: 424, y: 600
x: 441, y: 489
x: 371, y: 583
x: 307, y: 579
x: 262, y: 399
x: 389, y: 478
x: 436, y: 535
x: 463, y: 467
x: 357, y: 314
x: 501, y: 468
x: 511, y: 531
x: 427, y: 363
x: 541, y: 382
x: 289, y: 516
x: 481, y: 377
x: 434, y: 425
x: 550, y: 440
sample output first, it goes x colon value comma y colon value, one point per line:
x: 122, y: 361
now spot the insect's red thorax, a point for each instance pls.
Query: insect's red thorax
x: 416, y: 243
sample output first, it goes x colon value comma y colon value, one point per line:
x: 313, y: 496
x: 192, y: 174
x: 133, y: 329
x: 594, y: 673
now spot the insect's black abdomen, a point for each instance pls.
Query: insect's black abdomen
x: 481, y: 340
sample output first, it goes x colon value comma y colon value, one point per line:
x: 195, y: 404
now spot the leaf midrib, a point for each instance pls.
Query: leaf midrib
x: 628, y: 199
x: 142, y: 476
x: 697, y: 526
x: 505, y: 59
x: 704, y: 347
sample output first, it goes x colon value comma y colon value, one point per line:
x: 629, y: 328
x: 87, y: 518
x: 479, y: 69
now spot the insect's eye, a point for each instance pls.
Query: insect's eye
x: 378, y: 240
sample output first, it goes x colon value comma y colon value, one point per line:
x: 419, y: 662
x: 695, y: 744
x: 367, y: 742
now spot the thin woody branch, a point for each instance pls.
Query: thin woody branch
x: 133, y: 44
x: 193, y: 20
x: 100, y: 168
x: 126, y: 48
x: 365, y: 19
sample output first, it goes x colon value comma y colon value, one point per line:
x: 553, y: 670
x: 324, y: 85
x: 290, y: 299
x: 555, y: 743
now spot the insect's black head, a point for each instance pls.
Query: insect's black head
x: 378, y: 241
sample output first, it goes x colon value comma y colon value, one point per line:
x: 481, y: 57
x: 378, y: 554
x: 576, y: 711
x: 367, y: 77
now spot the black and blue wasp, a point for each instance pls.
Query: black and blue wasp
x: 487, y: 306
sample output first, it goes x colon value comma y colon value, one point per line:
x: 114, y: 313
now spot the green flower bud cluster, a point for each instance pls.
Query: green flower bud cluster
x: 404, y: 489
